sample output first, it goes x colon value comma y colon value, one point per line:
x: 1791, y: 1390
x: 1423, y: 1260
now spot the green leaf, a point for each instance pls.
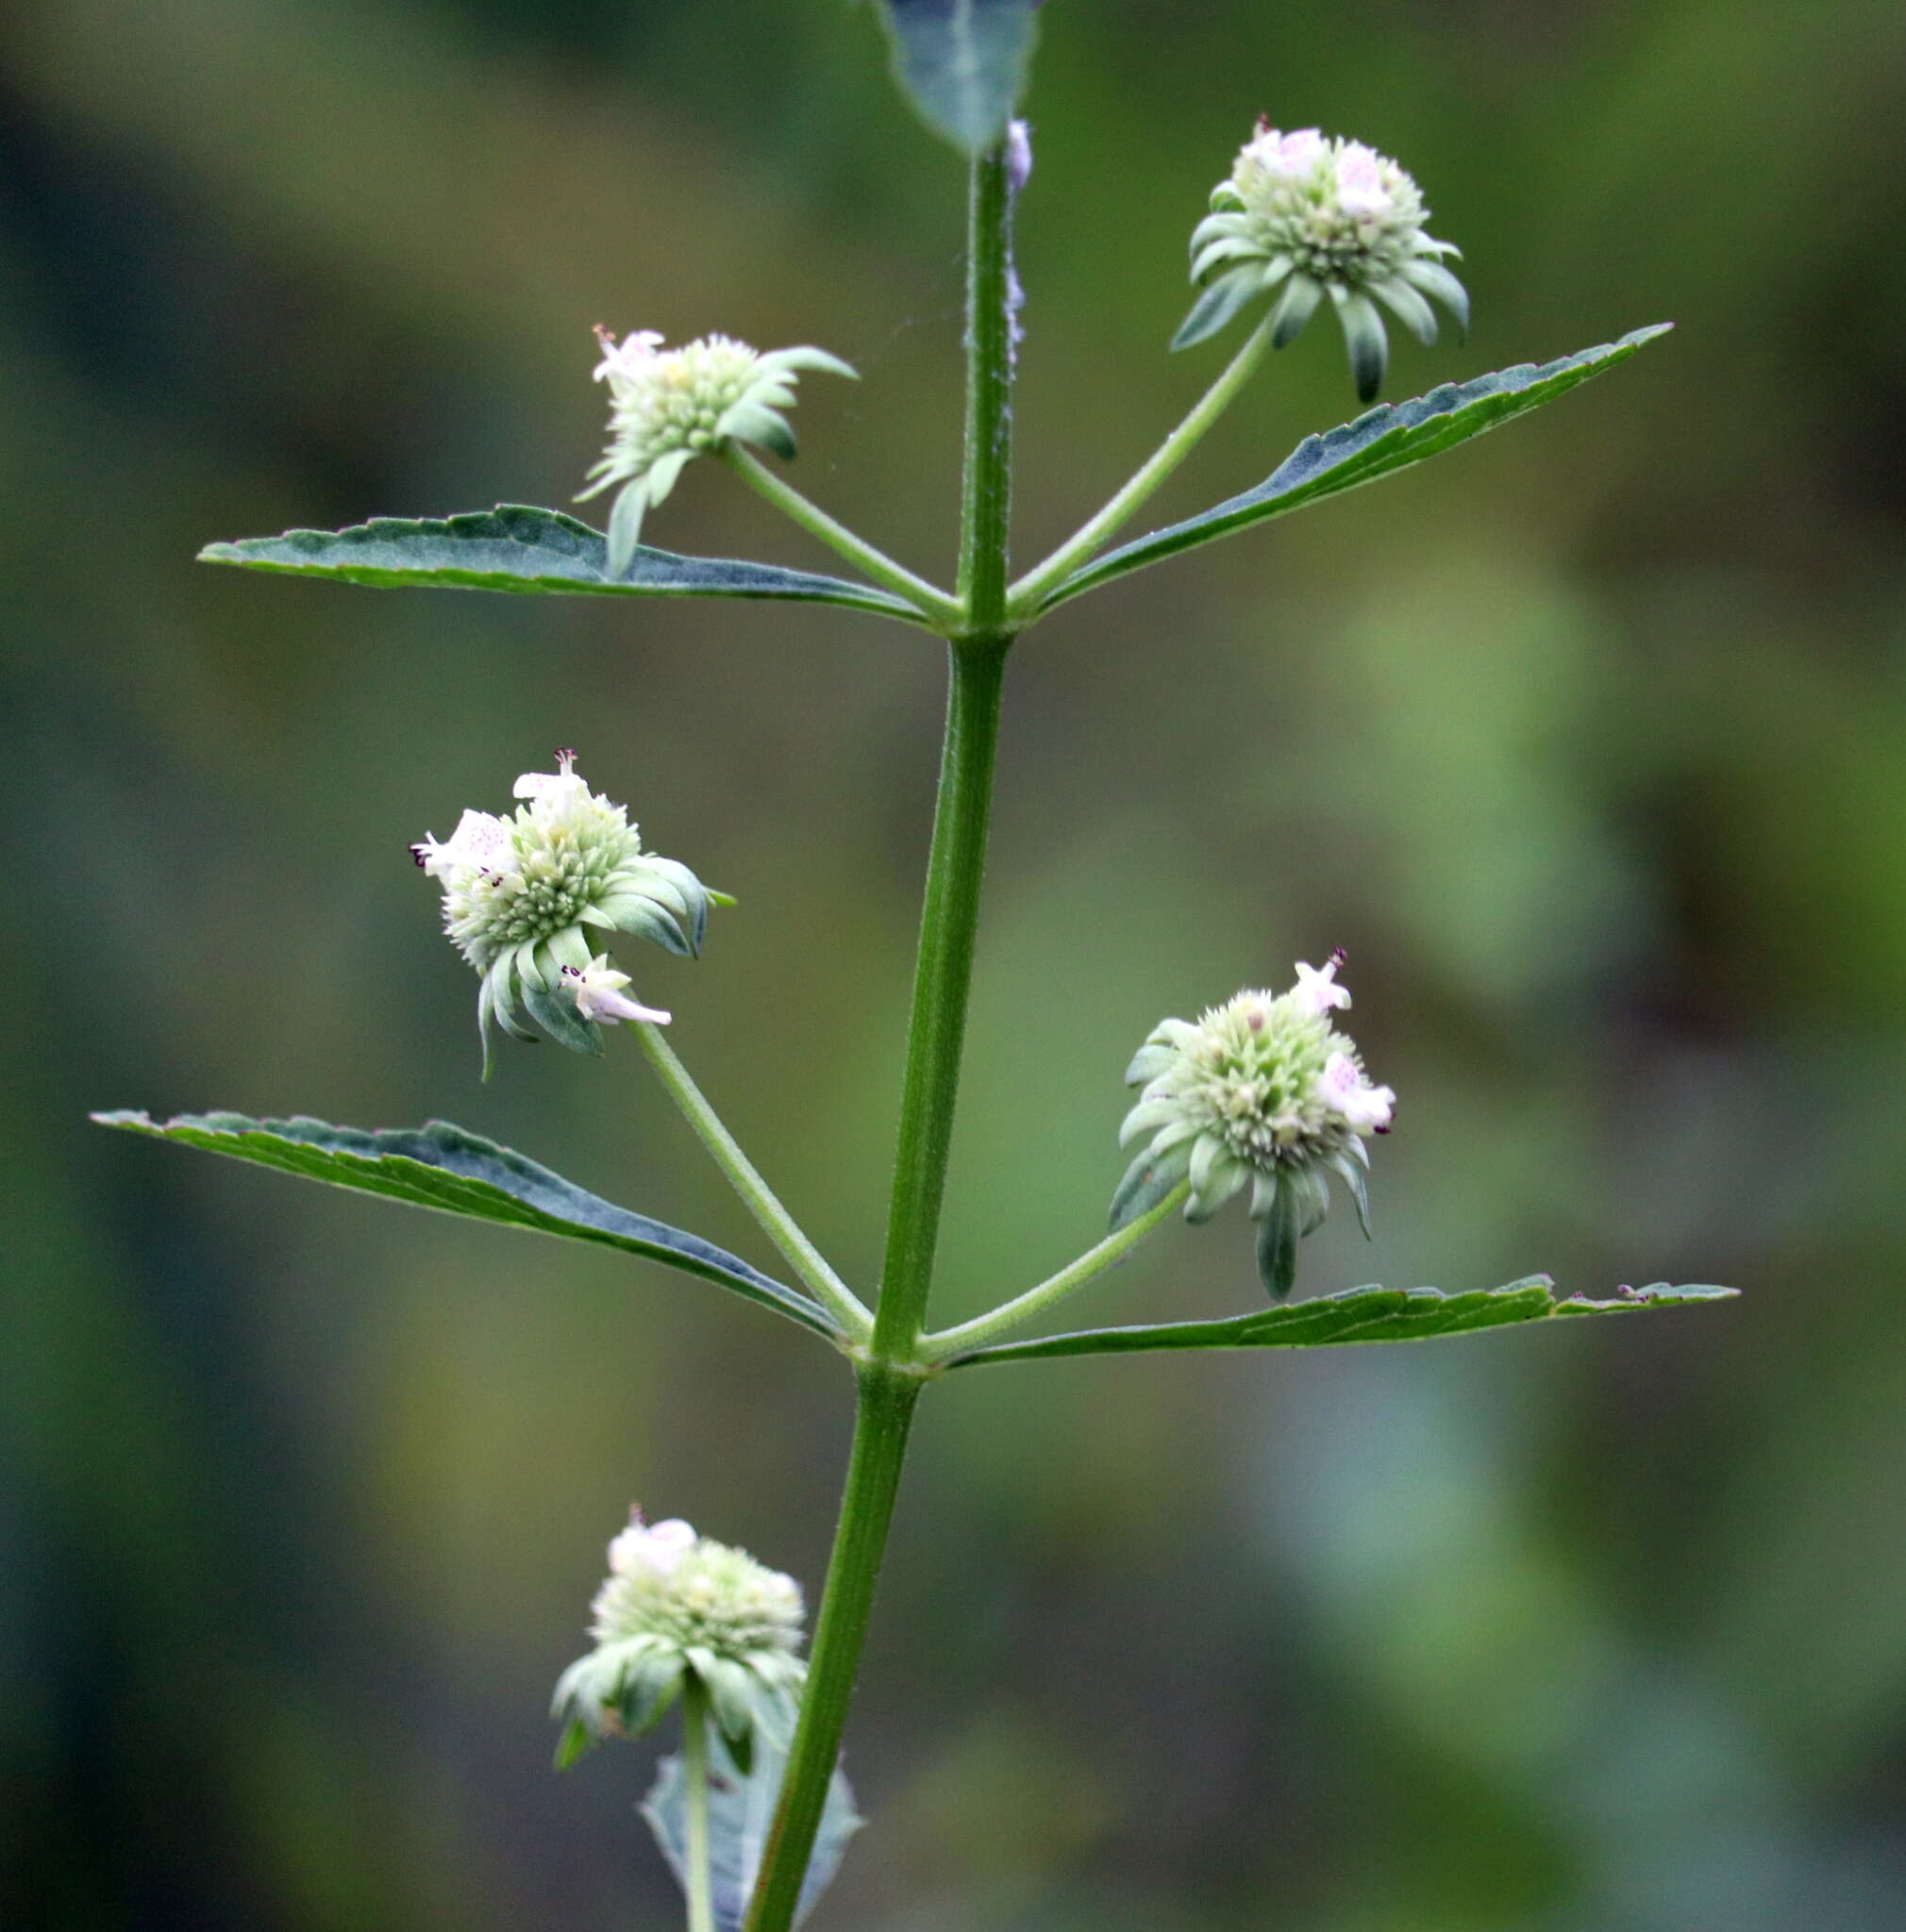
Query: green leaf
x: 537, y: 551
x: 741, y: 1811
x: 1385, y: 440
x: 964, y: 62
x: 441, y: 1166
x: 1358, y: 1314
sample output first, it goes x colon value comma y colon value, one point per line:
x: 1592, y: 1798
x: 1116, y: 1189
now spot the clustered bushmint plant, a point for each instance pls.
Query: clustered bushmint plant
x: 1264, y: 1093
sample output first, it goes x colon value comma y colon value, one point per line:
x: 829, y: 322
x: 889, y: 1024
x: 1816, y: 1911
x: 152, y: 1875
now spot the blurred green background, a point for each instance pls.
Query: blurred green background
x: 1588, y: 744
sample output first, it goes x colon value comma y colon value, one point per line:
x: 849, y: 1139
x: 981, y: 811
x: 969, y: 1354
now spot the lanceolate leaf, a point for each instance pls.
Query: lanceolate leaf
x: 537, y: 551
x: 964, y: 62
x: 1387, y: 439
x: 1358, y: 1315
x: 444, y: 1167
x: 741, y: 1811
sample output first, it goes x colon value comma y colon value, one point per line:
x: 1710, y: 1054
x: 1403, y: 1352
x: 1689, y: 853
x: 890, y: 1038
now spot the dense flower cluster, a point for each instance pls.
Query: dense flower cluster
x: 1264, y: 1089
x: 522, y: 893
x: 676, y: 1605
x: 668, y: 405
x: 1313, y: 217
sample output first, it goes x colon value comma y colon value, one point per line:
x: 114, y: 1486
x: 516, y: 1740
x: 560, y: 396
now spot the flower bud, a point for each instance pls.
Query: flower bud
x: 1312, y: 217
x: 1261, y: 1090
x: 520, y: 893
x: 667, y: 405
x: 676, y: 1605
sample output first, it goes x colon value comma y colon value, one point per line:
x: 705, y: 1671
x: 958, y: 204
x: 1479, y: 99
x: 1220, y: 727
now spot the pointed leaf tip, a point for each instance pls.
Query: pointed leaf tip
x: 527, y: 551
x: 1357, y: 1315
x: 455, y: 1172
x: 1377, y: 444
x: 962, y: 63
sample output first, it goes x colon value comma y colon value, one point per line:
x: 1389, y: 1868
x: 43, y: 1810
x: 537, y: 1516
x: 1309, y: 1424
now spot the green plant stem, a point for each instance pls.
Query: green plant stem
x: 1010, y: 1315
x: 1030, y: 590
x: 986, y: 483
x: 882, y: 1420
x: 695, y: 1755
x: 949, y: 916
x: 934, y: 604
x: 890, y: 1377
x: 779, y: 1225
x: 949, y: 923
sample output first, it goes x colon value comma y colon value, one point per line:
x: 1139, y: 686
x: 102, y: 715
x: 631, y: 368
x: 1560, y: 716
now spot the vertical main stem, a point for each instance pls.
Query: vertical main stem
x: 890, y: 1382
x: 986, y: 490
x: 949, y: 919
x: 884, y: 1417
x: 949, y: 923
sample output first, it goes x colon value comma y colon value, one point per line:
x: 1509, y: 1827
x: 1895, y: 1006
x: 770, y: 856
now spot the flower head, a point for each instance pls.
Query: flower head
x: 1313, y: 217
x: 522, y: 893
x: 667, y: 405
x: 1261, y: 1090
x: 675, y: 1603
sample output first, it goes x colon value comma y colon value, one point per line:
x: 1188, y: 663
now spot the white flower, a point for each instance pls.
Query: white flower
x: 1361, y: 186
x: 1260, y: 1091
x: 645, y: 1549
x: 479, y: 844
x: 1320, y: 985
x: 598, y: 990
x: 524, y: 897
x: 668, y: 405
x: 677, y: 1606
x: 1310, y: 218
x: 1363, y: 1108
x: 1286, y: 155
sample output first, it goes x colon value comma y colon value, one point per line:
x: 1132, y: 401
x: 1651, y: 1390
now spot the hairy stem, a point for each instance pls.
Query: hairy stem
x: 890, y: 1381
x: 1030, y: 590
x: 932, y: 602
x: 1009, y: 1315
x: 949, y: 923
x: 695, y: 1756
x: 986, y: 488
x: 779, y: 1225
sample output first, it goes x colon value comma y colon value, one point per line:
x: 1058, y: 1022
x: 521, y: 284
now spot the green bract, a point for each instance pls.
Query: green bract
x: 520, y: 893
x: 1314, y: 218
x: 1261, y: 1090
x: 675, y: 1603
x: 670, y: 404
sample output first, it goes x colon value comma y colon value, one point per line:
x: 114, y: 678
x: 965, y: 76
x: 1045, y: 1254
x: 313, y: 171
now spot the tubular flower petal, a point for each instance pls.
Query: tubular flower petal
x: 521, y: 892
x: 676, y: 1605
x: 597, y: 992
x: 667, y: 405
x: 1261, y: 1090
x: 1311, y: 217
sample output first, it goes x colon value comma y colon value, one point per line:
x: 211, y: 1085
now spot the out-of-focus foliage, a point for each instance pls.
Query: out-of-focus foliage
x: 1589, y: 745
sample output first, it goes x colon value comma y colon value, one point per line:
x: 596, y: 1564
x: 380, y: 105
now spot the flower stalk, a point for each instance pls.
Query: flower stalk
x: 932, y: 602
x: 1032, y: 589
x: 948, y: 1343
x: 695, y: 1756
x: 762, y: 1201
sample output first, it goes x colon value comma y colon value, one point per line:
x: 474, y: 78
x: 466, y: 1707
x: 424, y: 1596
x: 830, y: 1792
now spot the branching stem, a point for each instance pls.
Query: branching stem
x: 940, y: 611
x: 779, y: 1225
x: 890, y: 1375
x: 1035, y: 1301
x: 1030, y: 591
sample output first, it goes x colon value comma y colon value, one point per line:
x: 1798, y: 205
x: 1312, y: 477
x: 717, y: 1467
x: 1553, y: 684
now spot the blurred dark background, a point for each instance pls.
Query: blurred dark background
x: 1590, y: 744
